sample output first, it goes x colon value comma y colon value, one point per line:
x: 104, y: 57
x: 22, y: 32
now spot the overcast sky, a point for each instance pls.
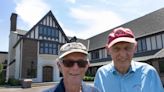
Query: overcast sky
x: 80, y: 18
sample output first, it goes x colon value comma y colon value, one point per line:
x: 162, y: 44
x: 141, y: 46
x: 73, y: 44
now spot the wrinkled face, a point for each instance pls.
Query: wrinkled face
x: 122, y: 54
x: 73, y: 67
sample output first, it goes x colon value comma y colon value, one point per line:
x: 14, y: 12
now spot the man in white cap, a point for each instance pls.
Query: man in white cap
x: 73, y: 63
x: 124, y: 74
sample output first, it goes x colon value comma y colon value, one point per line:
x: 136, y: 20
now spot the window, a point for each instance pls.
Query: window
x: 48, y: 48
x: 142, y: 46
x: 148, y: 43
x: 102, y: 53
x: 163, y: 39
x: 54, y: 49
x: 47, y: 31
x: 95, y: 54
x: 139, y: 46
x: 32, y: 71
x: 154, y: 45
x: 143, y: 41
x: 159, y: 41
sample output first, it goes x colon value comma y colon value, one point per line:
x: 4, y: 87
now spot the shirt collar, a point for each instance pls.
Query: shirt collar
x: 132, y: 68
x: 61, y: 88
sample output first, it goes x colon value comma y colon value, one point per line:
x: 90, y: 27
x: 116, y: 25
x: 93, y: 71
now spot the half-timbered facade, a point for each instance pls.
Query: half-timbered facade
x: 32, y: 53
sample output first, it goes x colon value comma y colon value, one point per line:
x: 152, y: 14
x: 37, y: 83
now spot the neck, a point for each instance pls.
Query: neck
x: 122, y: 70
x: 72, y: 88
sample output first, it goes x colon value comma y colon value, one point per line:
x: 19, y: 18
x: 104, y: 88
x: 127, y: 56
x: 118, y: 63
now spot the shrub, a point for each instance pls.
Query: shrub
x: 14, y: 82
x: 88, y: 78
x: 2, y: 81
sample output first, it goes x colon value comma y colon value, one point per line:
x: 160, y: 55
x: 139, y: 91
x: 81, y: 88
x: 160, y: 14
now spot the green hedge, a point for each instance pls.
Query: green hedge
x: 2, y: 79
x: 14, y: 82
x: 88, y: 78
x: 2, y: 82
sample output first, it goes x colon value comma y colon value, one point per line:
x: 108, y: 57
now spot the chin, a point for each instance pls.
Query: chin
x: 76, y: 81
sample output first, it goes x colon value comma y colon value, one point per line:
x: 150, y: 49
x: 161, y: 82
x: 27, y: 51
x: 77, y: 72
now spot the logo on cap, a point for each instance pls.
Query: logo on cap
x: 120, y: 34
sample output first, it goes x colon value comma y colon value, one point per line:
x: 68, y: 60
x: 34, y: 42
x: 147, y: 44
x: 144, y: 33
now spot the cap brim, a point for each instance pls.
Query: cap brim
x: 122, y: 39
x: 72, y: 51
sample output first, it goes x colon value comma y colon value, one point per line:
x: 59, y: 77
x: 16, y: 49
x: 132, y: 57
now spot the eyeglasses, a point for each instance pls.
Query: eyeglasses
x: 70, y: 63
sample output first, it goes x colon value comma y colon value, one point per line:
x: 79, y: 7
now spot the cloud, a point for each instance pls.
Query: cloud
x: 71, y: 1
x: 96, y: 20
x: 31, y: 11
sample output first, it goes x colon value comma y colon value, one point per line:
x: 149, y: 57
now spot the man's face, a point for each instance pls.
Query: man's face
x: 122, y: 54
x: 73, y: 72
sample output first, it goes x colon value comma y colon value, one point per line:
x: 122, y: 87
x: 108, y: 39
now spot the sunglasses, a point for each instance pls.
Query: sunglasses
x: 70, y: 63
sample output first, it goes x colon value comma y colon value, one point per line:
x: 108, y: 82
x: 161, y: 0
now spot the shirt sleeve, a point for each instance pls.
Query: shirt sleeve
x: 156, y: 84
x: 98, y: 81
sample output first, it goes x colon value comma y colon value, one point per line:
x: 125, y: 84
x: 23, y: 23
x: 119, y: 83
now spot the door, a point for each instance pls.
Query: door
x: 47, y: 73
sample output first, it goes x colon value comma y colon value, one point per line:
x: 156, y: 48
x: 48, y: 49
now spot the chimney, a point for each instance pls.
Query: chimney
x: 13, y: 21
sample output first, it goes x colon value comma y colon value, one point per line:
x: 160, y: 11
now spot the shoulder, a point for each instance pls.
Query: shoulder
x: 145, y: 68
x: 50, y: 89
x: 105, y: 69
x: 89, y: 88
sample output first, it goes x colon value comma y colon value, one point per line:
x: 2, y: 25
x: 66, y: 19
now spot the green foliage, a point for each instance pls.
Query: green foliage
x: 14, y: 82
x: 2, y: 81
x: 11, y: 81
x: 88, y: 78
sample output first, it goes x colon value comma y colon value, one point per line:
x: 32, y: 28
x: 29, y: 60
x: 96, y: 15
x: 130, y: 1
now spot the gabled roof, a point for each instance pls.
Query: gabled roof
x: 53, y: 17
x: 159, y: 54
x: 27, y: 32
x: 143, y: 26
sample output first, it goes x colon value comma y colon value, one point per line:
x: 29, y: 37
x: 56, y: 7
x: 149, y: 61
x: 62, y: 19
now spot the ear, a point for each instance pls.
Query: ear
x: 59, y: 66
x: 86, y: 68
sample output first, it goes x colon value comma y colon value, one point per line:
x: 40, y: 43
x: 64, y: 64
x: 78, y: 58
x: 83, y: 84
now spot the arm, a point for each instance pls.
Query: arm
x: 156, y: 84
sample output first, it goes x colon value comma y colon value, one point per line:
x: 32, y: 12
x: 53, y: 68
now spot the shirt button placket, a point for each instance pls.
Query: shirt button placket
x: 122, y: 84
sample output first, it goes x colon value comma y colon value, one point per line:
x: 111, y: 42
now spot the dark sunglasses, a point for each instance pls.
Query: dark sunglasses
x: 70, y: 63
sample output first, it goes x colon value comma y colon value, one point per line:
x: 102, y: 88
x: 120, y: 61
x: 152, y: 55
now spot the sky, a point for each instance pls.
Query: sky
x: 80, y: 18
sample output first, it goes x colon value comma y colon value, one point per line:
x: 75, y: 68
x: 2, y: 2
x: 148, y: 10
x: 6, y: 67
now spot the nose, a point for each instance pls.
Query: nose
x: 75, y: 66
x: 123, y: 53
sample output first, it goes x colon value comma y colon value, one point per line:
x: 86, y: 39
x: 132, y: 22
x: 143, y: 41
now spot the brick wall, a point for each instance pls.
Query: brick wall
x: 29, y: 55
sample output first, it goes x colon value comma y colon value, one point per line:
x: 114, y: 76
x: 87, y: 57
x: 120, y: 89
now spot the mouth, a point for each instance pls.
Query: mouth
x: 74, y: 74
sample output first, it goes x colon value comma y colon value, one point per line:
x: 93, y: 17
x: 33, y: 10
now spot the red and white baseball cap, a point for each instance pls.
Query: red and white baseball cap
x: 121, y: 35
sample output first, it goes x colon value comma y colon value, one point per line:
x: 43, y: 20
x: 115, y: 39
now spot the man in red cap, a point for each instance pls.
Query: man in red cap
x: 124, y: 74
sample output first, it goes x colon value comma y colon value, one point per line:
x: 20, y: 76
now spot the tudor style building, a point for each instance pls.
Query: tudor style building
x: 32, y: 53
